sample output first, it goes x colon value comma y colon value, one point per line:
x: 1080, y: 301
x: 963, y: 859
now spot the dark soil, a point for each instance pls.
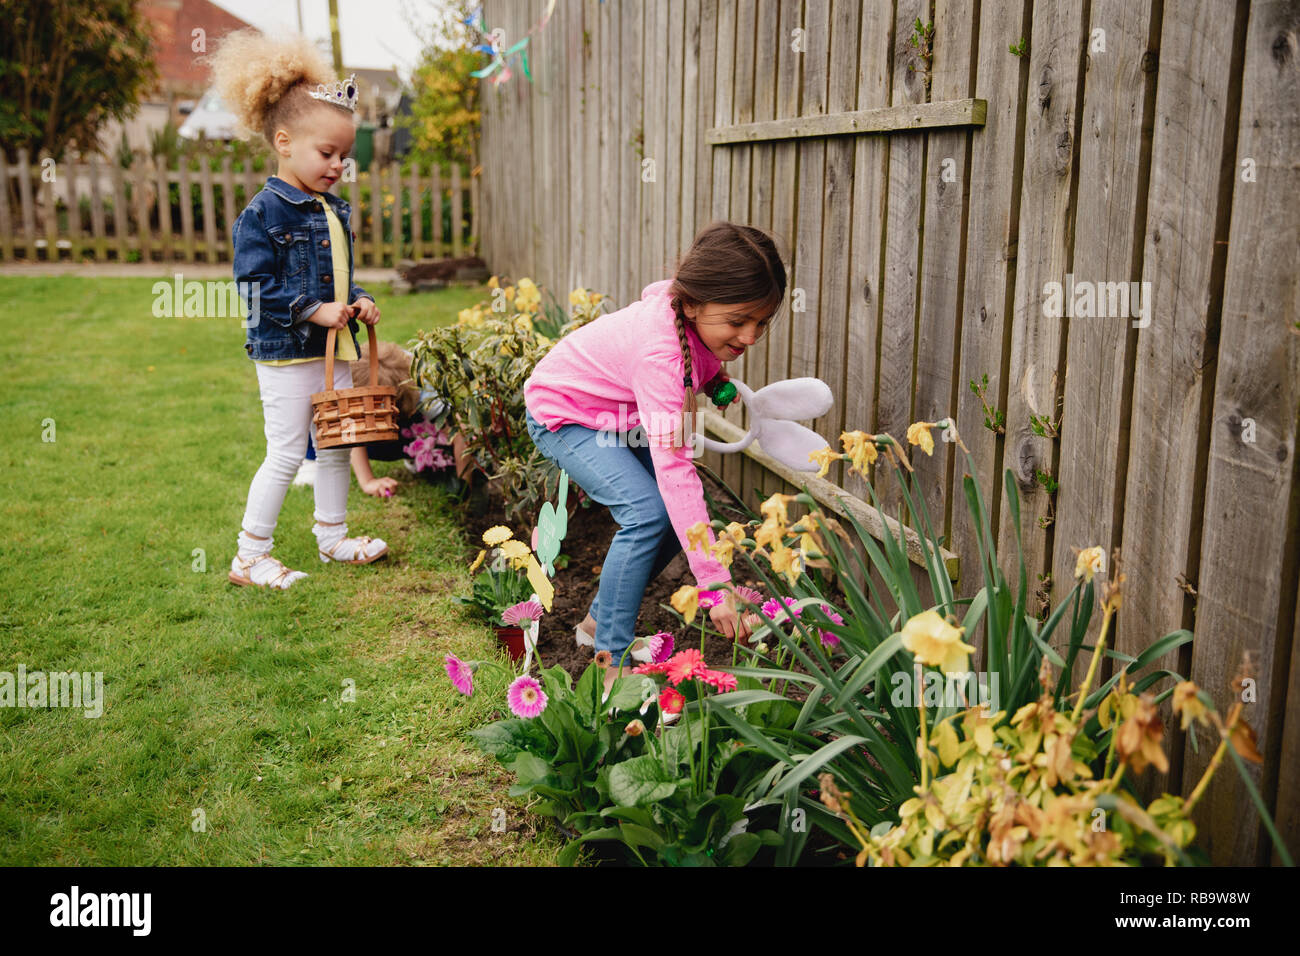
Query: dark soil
x: 590, y: 530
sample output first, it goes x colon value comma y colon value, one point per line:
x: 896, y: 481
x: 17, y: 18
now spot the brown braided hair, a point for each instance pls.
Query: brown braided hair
x: 727, y: 263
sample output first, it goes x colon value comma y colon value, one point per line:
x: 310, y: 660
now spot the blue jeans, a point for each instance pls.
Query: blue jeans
x: 619, y: 475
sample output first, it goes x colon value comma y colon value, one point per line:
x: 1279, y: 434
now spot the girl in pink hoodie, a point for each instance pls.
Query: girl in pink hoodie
x: 607, y: 405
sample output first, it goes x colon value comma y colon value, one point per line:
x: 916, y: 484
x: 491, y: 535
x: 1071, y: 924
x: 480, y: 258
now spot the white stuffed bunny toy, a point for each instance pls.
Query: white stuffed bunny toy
x: 774, y: 414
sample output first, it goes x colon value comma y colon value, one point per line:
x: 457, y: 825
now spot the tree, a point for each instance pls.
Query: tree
x: 445, y: 115
x: 67, y: 67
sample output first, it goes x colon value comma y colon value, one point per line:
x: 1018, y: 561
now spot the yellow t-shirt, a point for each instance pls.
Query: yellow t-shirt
x: 343, y: 347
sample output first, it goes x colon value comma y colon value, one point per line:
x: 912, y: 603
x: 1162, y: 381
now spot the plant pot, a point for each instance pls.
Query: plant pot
x: 512, y: 638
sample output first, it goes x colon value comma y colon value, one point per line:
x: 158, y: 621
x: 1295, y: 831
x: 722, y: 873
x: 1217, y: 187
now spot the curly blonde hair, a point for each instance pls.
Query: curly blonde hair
x: 264, y: 82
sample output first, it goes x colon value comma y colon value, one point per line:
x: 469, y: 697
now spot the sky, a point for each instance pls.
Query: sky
x: 375, y: 34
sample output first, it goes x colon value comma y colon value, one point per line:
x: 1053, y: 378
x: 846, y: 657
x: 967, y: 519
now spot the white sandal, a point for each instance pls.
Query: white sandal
x: 241, y: 572
x: 361, y: 547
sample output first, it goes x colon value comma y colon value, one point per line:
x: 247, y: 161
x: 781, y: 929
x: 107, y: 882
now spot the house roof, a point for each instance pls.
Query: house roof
x: 173, y: 23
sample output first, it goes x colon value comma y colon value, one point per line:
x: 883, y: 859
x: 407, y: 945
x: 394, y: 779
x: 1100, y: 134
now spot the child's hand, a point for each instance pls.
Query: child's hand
x: 332, y: 315
x: 379, y: 487
x: 366, y: 311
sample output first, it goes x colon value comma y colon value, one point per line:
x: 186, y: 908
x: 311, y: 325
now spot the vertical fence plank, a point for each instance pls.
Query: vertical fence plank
x: 162, y: 176
x: 1249, y: 544
x: 139, y: 176
x: 50, y: 191
x: 990, y: 269
x: 1114, y: 165
x: 674, y: 178
x: 227, y: 208
x: 28, y: 205
x: 457, y: 212
x: 692, y: 128
x: 606, y: 146
x: 435, y: 199
x: 70, y: 172
x: 97, y: 209
x: 902, y: 253
x: 6, y: 216
x: 867, y: 232
x: 631, y: 149
x: 837, y: 254
x: 119, y: 212
x: 416, y: 206
x: 1043, y: 256
x: 811, y: 190
x: 209, y: 210
x: 942, y: 242
x: 187, y: 211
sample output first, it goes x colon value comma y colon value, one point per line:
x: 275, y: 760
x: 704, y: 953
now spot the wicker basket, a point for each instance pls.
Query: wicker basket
x: 347, y: 417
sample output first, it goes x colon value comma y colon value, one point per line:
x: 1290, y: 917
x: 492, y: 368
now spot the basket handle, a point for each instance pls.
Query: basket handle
x: 329, y: 357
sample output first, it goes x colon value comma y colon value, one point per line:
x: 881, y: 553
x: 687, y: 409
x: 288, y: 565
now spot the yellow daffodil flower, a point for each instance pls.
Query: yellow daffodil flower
x: 787, y: 561
x: 497, y: 534
x: 823, y: 458
x: 935, y: 642
x: 477, y: 561
x: 686, y: 601
x: 697, y: 536
x: 1188, y: 705
x: 769, y: 534
x: 861, y: 448
x: 773, y: 509
x: 918, y: 433
x: 723, y: 550
x: 493, y: 282
x: 1090, y: 562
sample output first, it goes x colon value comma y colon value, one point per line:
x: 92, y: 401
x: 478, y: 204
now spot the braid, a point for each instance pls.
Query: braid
x: 689, y: 406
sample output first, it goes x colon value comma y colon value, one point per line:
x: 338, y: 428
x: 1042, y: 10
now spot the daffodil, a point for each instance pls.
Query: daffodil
x: 697, y: 536
x: 823, y: 458
x: 1139, y: 738
x: 933, y: 641
x: 477, y: 561
x: 493, y: 282
x: 1090, y: 562
x: 787, y: 561
x: 523, y: 323
x: 861, y: 448
x: 734, y: 532
x: 686, y: 601
x: 1188, y: 705
x: 497, y: 534
x: 918, y: 433
x: 769, y: 534
x: 773, y: 509
x: 723, y: 551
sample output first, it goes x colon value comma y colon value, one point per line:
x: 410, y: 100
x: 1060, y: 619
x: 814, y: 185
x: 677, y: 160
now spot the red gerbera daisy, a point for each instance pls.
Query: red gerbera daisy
x: 671, y: 701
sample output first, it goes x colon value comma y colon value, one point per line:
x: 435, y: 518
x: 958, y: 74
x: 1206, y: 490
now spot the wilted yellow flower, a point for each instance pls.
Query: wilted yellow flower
x: 1188, y: 705
x: 935, y: 642
x: 697, y: 536
x: 523, y: 323
x: 824, y: 457
x: 723, y: 551
x: 578, y: 297
x: 787, y: 561
x: 1140, y: 736
x: 734, y: 532
x: 1090, y: 562
x: 918, y: 433
x: 496, y: 534
x: 861, y: 448
x: 686, y: 601
x: 510, y: 293
x: 769, y: 534
x: 634, y: 728
x: 773, y: 509
x: 493, y: 282
x: 477, y: 561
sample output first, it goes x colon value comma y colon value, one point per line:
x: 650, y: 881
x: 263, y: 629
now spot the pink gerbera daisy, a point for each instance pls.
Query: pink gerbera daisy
x: 749, y: 595
x: 461, y: 674
x: 685, y: 665
x: 720, y: 680
x: 710, y: 599
x: 830, y: 639
x: 661, y: 647
x: 523, y: 611
x: 773, y: 607
x: 526, y: 697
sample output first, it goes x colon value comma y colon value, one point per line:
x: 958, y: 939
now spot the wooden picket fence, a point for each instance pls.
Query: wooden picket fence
x: 43, y: 215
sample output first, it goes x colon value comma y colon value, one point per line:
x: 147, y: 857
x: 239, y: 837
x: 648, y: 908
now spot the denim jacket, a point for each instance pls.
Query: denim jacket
x: 282, y: 243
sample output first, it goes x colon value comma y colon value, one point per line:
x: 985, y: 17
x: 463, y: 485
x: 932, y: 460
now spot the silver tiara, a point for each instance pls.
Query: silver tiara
x: 341, y: 93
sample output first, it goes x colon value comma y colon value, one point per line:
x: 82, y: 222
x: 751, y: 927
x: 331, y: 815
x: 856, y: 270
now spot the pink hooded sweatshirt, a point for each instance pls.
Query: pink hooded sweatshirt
x: 625, y: 369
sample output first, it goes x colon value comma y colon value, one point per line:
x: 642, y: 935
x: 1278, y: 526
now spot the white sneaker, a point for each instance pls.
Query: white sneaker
x: 306, y: 473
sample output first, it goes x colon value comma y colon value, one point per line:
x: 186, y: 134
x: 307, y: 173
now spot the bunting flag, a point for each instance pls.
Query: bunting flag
x: 498, y: 69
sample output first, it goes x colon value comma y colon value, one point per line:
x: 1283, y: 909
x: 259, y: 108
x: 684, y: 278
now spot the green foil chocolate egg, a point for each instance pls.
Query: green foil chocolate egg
x: 724, y: 394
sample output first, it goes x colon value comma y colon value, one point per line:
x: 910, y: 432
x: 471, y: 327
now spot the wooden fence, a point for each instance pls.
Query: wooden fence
x: 51, y: 211
x: 926, y: 196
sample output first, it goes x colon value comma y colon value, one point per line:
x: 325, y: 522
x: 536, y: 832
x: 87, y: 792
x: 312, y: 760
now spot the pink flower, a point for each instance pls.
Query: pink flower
x: 830, y: 639
x: 775, y: 606
x: 685, y: 665
x: 661, y: 647
x: 526, y: 697
x: 523, y: 611
x: 749, y: 595
x: 461, y: 674
x: 720, y: 680
x: 658, y: 667
x: 710, y: 599
x: 671, y: 701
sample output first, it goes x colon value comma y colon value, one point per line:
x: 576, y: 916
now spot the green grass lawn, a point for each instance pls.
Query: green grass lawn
x: 224, y: 706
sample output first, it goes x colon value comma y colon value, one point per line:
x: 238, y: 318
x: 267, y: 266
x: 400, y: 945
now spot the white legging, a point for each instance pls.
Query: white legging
x: 286, y: 406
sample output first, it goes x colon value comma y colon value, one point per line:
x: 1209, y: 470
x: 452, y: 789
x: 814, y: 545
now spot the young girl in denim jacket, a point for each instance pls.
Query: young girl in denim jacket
x: 606, y: 404
x: 293, y: 248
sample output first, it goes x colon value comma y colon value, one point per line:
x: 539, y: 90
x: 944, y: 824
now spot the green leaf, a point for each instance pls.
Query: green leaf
x: 640, y: 781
